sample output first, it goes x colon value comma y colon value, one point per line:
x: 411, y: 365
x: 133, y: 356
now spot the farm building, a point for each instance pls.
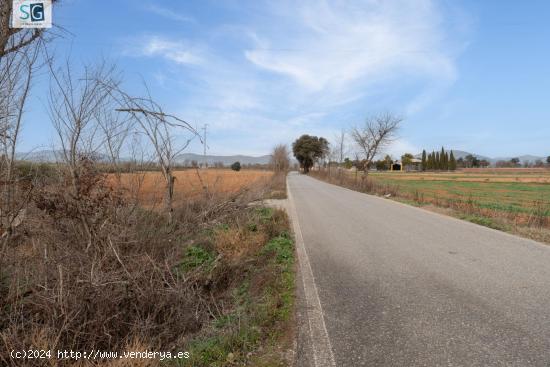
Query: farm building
x: 414, y: 165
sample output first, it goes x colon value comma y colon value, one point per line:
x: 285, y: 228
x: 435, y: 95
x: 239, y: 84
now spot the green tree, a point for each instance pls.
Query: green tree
x: 348, y: 163
x: 308, y: 149
x: 380, y: 165
x: 406, y: 159
x: 452, y: 162
x: 469, y: 160
x: 424, y: 160
x: 443, y: 163
x: 437, y: 161
x: 236, y: 166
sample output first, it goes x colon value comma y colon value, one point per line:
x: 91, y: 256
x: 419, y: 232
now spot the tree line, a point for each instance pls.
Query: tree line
x: 438, y: 161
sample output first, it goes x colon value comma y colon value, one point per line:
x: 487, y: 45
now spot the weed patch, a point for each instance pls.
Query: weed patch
x: 262, y: 302
x: 196, y: 256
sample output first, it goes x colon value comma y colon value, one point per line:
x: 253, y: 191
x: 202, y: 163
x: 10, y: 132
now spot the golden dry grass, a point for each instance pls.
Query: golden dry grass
x: 150, y: 186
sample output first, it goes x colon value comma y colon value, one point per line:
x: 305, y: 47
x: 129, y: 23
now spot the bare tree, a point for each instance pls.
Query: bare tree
x: 74, y: 102
x: 279, y: 158
x: 375, y: 135
x: 161, y: 130
x: 340, y: 148
x: 73, y: 105
x: 16, y: 72
x: 115, y: 129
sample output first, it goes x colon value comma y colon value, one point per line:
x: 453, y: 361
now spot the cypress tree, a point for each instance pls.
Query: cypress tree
x: 424, y: 162
x: 437, y: 161
x: 452, y: 162
x: 447, y: 164
x: 443, y: 164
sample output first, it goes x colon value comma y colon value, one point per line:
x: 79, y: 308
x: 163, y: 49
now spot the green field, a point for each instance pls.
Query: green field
x: 521, y: 193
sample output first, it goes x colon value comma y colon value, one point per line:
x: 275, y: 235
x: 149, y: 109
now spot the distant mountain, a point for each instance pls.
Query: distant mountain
x: 522, y: 158
x: 50, y: 156
x: 41, y: 156
x: 462, y: 154
x: 227, y: 160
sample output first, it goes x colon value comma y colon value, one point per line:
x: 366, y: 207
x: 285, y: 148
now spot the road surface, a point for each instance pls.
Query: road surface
x: 385, y: 284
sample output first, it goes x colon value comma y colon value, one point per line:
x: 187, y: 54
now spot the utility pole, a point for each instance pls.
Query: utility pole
x: 205, y: 165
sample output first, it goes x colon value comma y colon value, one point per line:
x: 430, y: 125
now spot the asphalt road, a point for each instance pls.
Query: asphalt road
x: 401, y: 286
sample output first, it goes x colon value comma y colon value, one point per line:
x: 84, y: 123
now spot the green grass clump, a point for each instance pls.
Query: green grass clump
x: 196, y: 256
x: 484, y: 221
x: 282, y: 247
x: 265, y: 213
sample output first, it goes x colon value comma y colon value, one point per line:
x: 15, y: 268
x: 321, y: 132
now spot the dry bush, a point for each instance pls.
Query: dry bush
x: 236, y: 243
x: 59, y: 289
x: 355, y: 182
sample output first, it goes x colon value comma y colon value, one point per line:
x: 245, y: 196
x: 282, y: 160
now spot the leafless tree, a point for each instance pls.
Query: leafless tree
x: 161, y: 130
x: 16, y: 72
x: 74, y: 102
x: 375, y: 135
x: 279, y: 160
x: 115, y: 129
x: 340, y: 147
x: 74, y: 105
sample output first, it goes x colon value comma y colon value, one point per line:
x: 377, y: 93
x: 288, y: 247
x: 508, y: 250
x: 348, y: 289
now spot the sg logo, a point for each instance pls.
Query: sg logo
x: 33, y: 11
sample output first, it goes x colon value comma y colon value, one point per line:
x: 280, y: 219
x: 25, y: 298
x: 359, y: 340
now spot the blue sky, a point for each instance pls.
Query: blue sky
x: 469, y: 75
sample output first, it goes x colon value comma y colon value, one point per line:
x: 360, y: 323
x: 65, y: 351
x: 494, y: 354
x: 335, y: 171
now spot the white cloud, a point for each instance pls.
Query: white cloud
x: 169, y: 13
x: 344, y: 47
x: 176, y: 51
x: 401, y: 146
x: 309, y: 68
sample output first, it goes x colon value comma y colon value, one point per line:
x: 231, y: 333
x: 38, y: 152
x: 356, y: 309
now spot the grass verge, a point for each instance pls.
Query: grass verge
x: 252, y: 326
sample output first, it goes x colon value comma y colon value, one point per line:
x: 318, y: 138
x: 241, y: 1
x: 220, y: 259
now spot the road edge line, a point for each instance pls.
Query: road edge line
x: 323, y: 355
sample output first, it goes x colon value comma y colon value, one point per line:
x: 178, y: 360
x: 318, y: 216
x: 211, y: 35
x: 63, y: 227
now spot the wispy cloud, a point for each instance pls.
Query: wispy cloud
x: 348, y: 46
x: 288, y: 69
x: 176, y: 51
x: 169, y: 13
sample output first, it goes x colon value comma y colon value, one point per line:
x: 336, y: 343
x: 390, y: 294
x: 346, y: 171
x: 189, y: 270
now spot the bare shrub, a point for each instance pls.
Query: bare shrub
x: 126, y: 288
x: 280, y: 161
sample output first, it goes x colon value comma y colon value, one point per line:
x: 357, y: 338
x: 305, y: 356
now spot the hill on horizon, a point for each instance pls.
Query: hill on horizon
x: 52, y: 156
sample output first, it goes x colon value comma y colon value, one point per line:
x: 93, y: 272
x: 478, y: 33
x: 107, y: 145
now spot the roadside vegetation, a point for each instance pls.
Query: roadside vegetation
x: 113, y: 247
x: 216, y: 281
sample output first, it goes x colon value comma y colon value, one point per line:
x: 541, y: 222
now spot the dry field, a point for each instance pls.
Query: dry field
x: 150, y: 186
